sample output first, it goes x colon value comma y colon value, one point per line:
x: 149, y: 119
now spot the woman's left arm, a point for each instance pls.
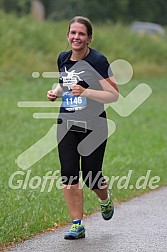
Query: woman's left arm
x: 109, y: 93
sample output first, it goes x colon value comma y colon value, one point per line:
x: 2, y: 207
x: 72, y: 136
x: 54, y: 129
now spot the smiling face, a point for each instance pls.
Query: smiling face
x: 78, y: 37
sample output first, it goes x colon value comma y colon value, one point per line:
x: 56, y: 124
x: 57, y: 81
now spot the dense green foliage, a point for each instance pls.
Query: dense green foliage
x: 27, y: 45
x: 97, y: 10
x: 139, y: 143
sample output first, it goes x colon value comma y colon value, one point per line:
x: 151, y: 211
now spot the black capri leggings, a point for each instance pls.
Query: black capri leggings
x: 72, y: 161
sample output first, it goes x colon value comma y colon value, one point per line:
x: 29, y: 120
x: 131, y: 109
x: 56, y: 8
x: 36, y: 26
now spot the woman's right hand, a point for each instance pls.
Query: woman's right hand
x: 51, y: 95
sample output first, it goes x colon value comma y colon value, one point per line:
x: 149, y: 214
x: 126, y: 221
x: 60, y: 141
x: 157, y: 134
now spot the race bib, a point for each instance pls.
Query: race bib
x: 72, y: 103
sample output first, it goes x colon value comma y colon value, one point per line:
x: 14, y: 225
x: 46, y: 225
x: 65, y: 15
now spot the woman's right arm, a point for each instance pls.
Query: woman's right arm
x: 55, y: 93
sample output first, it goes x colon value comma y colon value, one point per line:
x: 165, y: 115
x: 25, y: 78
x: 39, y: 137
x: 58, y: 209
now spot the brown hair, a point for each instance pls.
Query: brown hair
x: 82, y: 20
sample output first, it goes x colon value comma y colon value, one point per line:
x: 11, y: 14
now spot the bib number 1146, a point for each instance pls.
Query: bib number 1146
x: 74, y: 100
x: 70, y: 101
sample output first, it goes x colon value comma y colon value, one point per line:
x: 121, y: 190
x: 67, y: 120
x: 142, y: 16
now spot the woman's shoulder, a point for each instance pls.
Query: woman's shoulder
x: 96, y: 56
x: 99, y: 62
x: 63, y: 56
x: 64, y: 53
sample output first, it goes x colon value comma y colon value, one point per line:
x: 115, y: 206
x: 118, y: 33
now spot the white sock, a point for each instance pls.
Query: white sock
x: 106, y: 200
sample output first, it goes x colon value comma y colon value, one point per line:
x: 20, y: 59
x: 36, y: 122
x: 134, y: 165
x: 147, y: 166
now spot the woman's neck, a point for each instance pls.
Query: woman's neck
x: 75, y: 56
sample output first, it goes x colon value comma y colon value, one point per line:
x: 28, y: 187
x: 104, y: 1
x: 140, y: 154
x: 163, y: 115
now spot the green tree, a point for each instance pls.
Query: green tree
x: 63, y: 9
x: 151, y: 11
x: 115, y: 10
x: 18, y: 6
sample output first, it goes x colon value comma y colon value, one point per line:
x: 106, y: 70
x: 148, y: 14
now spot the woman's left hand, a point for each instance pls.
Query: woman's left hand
x: 77, y: 90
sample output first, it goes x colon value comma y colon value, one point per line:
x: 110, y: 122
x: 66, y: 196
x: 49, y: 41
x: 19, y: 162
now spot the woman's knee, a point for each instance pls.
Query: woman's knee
x: 70, y: 180
x: 93, y: 181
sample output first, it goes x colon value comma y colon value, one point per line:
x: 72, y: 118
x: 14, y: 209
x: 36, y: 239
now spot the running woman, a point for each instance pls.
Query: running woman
x: 86, y: 83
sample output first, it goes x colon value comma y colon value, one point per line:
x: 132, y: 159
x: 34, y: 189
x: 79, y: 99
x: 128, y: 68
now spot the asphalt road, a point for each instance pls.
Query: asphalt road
x: 138, y: 225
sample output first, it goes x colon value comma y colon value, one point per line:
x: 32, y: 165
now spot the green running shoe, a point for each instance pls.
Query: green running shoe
x: 76, y: 231
x: 107, y: 210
